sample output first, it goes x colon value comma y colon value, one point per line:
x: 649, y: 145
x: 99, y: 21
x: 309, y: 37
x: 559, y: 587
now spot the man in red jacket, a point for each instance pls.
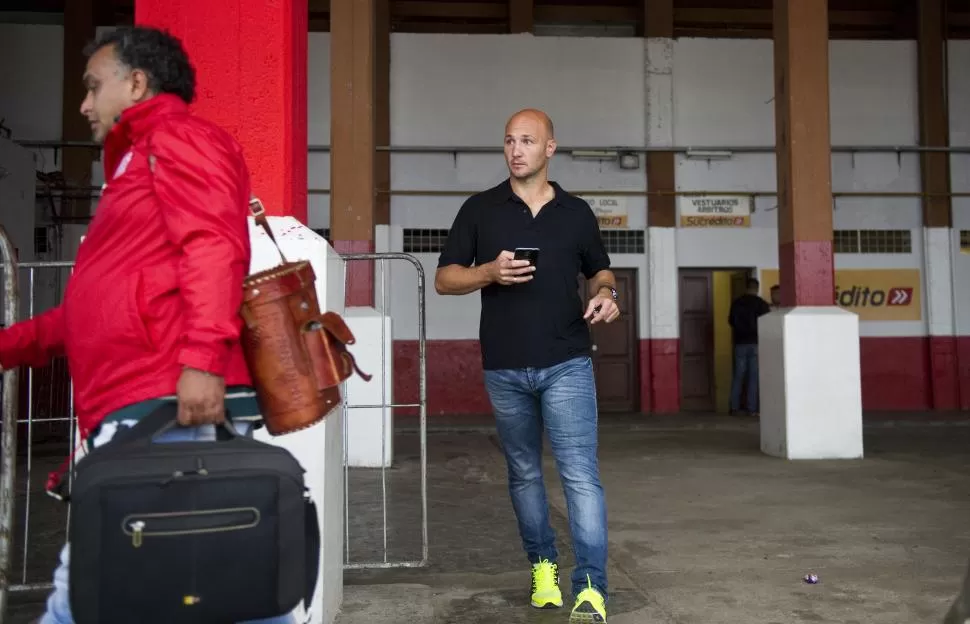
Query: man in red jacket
x: 151, y: 311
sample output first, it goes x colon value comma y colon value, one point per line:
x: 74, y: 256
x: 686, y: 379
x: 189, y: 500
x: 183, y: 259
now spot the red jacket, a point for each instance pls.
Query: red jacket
x: 158, y: 280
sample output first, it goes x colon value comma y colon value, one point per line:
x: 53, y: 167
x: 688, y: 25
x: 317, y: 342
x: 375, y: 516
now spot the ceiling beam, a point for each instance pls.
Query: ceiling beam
x: 579, y: 14
x: 591, y: 14
x: 521, y: 16
x: 452, y: 10
x: 658, y: 18
x: 497, y: 28
x: 764, y: 17
x: 498, y: 16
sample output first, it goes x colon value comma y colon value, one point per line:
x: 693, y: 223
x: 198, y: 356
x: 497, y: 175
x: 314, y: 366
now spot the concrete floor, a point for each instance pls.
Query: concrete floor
x: 703, y: 529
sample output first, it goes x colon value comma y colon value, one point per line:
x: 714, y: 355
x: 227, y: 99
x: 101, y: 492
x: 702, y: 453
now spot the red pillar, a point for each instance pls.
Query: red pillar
x: 250, y: 58
x: 803, y: 153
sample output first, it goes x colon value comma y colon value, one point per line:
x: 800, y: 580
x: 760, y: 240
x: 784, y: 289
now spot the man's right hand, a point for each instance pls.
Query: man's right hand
x: 506, y: 270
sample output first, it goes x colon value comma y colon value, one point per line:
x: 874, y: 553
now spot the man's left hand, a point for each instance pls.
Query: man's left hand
x: 608, y: 310
x: 201, y: 398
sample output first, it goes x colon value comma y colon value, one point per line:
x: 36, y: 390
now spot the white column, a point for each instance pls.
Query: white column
x: 320, y: 448
x: 938, y: 259
x: 659, y: 90
x: 811, y: 384
x: 938, y: 246
x: 662, y: 271
x: 661, y: 249
x: 370, y: 430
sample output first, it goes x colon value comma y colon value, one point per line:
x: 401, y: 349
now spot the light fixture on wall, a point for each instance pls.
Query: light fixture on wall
x: 594, y: 154
x: 708, y: 154
x: 629, y: 160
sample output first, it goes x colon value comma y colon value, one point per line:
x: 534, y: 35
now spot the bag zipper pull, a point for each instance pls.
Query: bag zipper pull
x: 136, y: 535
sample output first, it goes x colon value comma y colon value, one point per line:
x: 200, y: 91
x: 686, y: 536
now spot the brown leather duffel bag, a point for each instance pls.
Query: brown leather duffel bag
x: 296, y: 356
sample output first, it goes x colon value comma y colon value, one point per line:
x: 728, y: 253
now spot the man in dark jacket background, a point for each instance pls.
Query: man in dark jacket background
x: 743, y: 318
x: 151, y: 311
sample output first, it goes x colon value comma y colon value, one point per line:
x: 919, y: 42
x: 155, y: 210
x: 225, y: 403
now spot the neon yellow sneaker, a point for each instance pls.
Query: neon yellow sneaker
x: 590, y: 607
x: 545, y: 585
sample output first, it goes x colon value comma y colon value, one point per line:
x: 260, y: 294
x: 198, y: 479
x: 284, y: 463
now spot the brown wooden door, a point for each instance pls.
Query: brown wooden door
x: 616, y: 348
x: 696, y: 341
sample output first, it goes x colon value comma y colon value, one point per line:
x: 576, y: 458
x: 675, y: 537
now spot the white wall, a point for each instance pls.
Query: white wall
x: 872, y: 102
x: 17, y: 182
x: 318, y: 123
x: 32, y: 74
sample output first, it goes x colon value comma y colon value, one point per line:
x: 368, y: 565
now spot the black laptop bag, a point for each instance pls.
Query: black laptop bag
x: 212, y: 532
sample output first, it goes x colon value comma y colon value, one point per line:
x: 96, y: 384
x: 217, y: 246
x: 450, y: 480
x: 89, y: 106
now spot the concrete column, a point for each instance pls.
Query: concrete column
x: 352, y: 134
x: 811, y: 390
x: 660, y: 357
x: 360, y: 117
x: 382, y: 112
x: 251, y: 80
x: 77, y: 163
x: 938, y: 236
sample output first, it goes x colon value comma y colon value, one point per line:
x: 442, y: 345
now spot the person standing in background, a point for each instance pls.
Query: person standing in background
x: 775, y: 295
x: 743, y: 318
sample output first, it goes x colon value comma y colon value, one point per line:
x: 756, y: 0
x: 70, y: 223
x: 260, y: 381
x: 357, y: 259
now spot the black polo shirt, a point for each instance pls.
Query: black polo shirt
x: 538, y: 323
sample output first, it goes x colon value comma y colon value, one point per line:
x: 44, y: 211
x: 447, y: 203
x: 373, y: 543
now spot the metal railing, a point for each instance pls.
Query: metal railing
x: 383, y: 305
x: 50, y: 417
x: 33, y: 527
x: 8, y: 420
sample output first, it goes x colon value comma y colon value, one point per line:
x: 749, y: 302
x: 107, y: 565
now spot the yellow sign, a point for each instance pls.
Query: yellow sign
x: 714, y: 221
x: 715, y: 211
x: 612, y: 222
x: 611, y: 212
x: 873, y: 294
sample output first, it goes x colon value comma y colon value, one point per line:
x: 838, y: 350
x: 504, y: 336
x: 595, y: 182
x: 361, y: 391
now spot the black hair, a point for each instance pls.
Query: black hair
x: 155, y: 52
x: 776, y: 287
x: 752, y: 283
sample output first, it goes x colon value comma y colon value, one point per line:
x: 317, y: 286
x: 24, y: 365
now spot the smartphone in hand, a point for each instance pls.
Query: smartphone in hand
x: 527, y: 253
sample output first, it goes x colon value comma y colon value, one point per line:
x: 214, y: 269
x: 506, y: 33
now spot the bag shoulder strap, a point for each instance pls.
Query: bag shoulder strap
x: 255, y: 207
x: 259, y: 213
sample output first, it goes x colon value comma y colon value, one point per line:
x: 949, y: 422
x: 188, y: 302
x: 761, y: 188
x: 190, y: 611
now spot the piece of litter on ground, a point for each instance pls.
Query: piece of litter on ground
x: 811, y: 579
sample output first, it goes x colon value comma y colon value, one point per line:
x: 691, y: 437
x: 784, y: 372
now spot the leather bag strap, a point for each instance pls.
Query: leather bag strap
x: 255, y: 206
x: 259, y: 213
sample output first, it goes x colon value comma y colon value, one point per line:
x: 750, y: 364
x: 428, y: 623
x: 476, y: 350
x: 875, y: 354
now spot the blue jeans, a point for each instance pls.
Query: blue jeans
x: 563, y: 399
x: 58, y: 603
x: 745, y: 366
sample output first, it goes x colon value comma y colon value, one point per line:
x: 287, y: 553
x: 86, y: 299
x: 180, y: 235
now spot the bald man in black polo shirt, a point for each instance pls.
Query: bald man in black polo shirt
x: 535, y: 344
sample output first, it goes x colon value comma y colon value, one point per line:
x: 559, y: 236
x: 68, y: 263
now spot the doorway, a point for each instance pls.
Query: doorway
x: 616, y: 348
x: 706, y: 342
